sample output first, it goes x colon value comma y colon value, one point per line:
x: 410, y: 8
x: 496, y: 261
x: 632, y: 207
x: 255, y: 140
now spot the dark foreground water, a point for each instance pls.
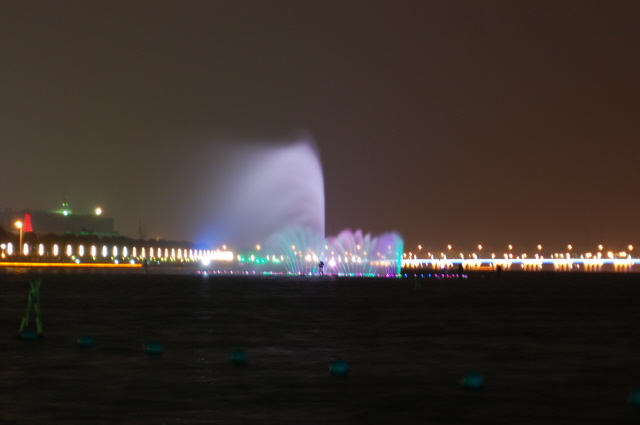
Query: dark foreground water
x: 554, y: 349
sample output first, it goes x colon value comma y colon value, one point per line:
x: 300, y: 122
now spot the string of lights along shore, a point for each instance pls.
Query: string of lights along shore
x: 29, y: 246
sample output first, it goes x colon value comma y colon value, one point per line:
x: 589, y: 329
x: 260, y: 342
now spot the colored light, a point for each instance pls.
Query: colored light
x: 72, y: 265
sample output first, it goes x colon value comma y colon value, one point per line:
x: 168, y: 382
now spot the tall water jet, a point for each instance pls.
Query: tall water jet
x: 271, y: 190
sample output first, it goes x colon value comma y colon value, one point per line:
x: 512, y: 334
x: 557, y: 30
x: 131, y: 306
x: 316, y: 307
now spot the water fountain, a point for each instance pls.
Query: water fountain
x: 277, y: 197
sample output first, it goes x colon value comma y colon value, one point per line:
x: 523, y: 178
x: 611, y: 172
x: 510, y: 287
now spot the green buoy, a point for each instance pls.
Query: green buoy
x: 239, y: 357
x: 339, y: 367
x: 473, y: 381
x: 85, y: 341
x: 153, y: 348
x: 34, y: 302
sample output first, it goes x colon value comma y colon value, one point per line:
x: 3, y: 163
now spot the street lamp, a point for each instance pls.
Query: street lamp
x: 18, y: 224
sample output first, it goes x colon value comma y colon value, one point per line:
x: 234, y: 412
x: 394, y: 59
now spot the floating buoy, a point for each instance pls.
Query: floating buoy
x: 339, y: 367
x: 153, y: 348
x: 85, y: 341
x: 634, y: 397
x: 28, y: 335
x: 472, y: 381
x: 239, y: 357
x: 34, y: 302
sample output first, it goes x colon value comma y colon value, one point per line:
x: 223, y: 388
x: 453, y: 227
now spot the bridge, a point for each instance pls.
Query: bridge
x: 532, y: 264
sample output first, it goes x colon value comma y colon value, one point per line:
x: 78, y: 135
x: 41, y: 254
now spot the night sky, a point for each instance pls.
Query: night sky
x: 462, y: 122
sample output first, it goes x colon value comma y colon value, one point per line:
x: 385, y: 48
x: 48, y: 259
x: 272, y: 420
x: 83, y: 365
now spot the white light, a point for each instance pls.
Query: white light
x: 94, y: 251
x: 69, y: 250
x: 98, y: 211
x: 222, y: 255
x: 115, y: 251
x: 55, y: 250
x: 41, y: 250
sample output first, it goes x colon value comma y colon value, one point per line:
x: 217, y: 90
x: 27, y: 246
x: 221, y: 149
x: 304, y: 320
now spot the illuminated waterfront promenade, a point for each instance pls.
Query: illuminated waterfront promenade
x: 104, y: 256
x: 533, y: 264
x: 135, y: 257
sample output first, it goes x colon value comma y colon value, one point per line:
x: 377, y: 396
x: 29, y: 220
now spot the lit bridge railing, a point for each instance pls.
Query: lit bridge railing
x: 533, y: 264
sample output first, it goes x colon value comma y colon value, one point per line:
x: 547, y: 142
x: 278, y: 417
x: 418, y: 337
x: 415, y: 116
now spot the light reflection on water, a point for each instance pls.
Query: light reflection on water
x: 559, y: 349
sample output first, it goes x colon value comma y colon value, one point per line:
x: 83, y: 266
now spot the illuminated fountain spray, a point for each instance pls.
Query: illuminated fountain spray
x: 278, y: 198
x: 355, y: 253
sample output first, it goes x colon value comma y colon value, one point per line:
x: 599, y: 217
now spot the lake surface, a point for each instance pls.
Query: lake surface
x: 553, y: 348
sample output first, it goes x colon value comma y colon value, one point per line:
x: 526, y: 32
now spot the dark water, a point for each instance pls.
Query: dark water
x: 554, y: 349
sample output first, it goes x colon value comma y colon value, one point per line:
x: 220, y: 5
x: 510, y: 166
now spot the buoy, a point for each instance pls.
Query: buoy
x: 239, y: 357
x: 339, y: 367
x: 34, y: 301
x: 472, y: 381
x: 153, y: 348
x: 28, y: 335
x: 85, y: 341
x: 634, y: 397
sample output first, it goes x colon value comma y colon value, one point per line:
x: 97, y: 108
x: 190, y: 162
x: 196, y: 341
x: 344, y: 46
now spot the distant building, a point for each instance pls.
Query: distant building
x: 59, y: 222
